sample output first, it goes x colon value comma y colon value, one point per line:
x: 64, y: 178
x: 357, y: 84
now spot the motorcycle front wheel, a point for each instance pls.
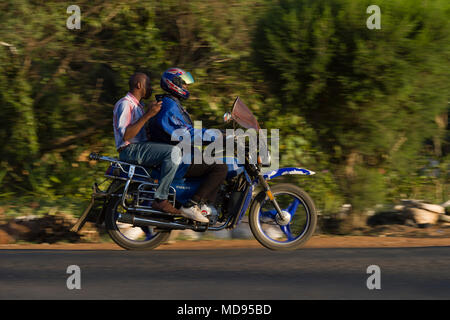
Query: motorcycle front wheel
x: 128, y: 236
x: 275, y: 234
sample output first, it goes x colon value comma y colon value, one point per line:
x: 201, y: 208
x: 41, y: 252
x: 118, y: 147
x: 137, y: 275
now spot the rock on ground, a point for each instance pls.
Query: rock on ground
x: 421, y: 216
x: 5, y: 238
x: 48, y: 229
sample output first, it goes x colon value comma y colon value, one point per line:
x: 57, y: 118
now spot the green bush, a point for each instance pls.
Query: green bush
x: 371, y: 96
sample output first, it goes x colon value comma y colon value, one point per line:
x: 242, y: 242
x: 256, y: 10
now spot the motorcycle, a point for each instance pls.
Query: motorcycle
x: 281, y: 216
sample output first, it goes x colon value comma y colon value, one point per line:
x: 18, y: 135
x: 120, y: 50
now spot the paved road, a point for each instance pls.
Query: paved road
x: 406, y: 273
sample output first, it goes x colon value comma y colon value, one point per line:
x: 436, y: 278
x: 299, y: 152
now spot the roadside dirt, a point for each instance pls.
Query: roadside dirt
x: 319, y: 241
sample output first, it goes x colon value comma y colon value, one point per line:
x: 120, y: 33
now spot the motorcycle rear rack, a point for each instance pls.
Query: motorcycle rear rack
x: 142, y: 194
x: 127, y: 172
x: 132, y: 173
x: 123, y: 167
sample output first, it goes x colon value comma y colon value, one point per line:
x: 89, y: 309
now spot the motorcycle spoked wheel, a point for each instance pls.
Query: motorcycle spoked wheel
x: 265, y: 228
x: 128, y: 236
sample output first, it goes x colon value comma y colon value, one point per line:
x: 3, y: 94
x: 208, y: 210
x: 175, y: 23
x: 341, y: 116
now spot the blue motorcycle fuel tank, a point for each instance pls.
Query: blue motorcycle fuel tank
x: 234, y: 168
x: 186, y: 187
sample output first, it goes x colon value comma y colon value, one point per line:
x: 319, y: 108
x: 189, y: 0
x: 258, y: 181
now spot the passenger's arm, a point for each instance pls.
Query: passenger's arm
x: 133, y: 129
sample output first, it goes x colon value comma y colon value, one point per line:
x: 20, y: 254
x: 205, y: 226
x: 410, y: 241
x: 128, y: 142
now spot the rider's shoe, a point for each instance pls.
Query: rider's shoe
x: 205, y: 209
x: 194, y: 212
x: 211, y: 212
x: 165, y: 206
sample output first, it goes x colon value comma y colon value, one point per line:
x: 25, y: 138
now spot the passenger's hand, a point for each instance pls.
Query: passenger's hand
x: 154, y: 108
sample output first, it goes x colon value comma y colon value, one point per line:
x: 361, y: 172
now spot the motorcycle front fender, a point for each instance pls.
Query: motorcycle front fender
x: 287, y: 171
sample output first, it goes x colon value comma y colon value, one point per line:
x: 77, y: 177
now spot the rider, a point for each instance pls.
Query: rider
x: 132, y: 142
x: 173, y: 117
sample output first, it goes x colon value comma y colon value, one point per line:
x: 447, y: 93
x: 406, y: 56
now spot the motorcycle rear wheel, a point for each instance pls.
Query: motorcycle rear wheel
x: 262, y: 218
x: 151, y: 241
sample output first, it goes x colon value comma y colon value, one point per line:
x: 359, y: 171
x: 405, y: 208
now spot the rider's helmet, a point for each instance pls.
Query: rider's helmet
x: 172, y: 81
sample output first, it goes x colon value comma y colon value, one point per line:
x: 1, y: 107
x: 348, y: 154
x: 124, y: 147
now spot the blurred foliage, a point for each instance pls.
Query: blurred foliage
x: 366, y: 109
x: 373, y: 97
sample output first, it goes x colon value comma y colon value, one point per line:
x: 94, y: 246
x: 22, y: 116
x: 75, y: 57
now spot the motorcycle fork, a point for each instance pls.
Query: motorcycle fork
x: 280, y: 215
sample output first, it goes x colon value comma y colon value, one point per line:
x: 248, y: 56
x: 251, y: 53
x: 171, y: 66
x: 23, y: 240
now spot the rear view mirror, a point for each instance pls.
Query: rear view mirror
x: 227, y: 117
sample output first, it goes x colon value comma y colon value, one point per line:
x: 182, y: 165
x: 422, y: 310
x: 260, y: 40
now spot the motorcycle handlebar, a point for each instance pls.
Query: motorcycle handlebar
x: 94, y: 156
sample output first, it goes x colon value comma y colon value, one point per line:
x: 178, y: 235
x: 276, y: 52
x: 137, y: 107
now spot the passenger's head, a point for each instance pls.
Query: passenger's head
x: 140, y: 85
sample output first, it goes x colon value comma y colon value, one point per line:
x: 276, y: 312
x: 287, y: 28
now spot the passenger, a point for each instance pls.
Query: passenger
x: 130, y: 121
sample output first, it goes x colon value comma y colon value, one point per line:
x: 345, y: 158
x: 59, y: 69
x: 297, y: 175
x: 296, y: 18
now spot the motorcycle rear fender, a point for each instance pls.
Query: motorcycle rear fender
x: 95, y: 212
x: 286, y: 171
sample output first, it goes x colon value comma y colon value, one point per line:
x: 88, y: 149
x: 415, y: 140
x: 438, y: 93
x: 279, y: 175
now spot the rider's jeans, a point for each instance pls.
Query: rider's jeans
x: 154, y: 154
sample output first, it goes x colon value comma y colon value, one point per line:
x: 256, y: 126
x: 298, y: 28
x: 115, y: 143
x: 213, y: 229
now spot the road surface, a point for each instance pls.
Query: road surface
x: 243, y: 273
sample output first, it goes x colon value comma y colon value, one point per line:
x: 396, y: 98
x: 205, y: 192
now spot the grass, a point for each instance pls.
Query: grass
x: 32, y: 206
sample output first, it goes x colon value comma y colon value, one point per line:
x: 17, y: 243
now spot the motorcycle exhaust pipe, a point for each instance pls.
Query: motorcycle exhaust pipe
x: 143, y: 222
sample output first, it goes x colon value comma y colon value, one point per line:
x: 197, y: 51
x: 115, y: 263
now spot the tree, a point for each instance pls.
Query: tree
x: 371, y: 96
x: 58, y: 86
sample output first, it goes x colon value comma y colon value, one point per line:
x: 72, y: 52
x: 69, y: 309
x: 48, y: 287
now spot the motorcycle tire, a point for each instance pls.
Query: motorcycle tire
x: 120, y: 239
x: 310, y: 217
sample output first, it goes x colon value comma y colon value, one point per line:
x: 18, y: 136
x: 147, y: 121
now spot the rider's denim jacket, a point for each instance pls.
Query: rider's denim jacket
x: 172, y: 117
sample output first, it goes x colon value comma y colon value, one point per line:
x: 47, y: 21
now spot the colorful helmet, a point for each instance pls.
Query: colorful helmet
x: 172, y: 81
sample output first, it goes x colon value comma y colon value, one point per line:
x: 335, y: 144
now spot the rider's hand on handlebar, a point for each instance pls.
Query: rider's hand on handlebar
x: 154, y: 108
